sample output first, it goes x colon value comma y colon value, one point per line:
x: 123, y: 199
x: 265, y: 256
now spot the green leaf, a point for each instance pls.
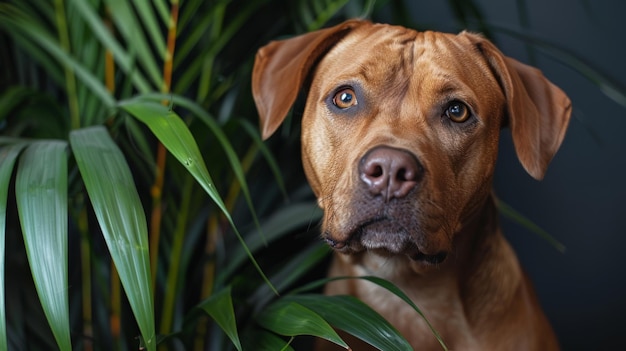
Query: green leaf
x: 235, y: 164
x: 263, y: 340
x: 290, y: 318
x: 28, y: 49
x: 292, y: 271
x: 12, y: 97
x: 170, y: 129
x: 324, y: 14
x: 41, y: 194
x: 120, y: 214
x: 176, y: 137
x: 19, y: 22
x: 354, y: 317
x: 220, y: 307
x: 399, y: 293
x: 612, y: 88
x: 253, y: 132
x: 124, y: 59
x: 384, y: 284
x: 8, y: 155
x: 279, y: 224
x: 512, y: 214
x: 130, y: 28
x: 149, y: 20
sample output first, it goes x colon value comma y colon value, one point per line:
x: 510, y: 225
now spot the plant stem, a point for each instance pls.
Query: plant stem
x: 171, y: 286
x: 235, y: 187
x: 70, y: 80
x: 214, y: 232
x: 157, y: 188
x: 171, y: 44
x: 85, y: 252
x: 116, y: 302
x: 155, y: 218
x: 115, y: 319
x: 109, y: 61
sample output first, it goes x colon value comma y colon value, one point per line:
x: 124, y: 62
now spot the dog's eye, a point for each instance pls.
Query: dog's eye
x: 458, y: 112
x: 345, y: 98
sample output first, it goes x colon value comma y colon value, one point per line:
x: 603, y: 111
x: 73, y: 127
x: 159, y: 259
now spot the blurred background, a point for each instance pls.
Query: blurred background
x: 69, y: 65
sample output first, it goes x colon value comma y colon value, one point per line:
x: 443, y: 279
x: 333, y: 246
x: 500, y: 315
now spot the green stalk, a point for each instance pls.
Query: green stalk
x: 208, y: 281
x: 85, y: 253
x: 115, y: 318
x: 235, y: 187
x: 204, y: 85
x: 157, y: 187
x: 70, y: 80
x: 171, y: 286
x: 208, y: 277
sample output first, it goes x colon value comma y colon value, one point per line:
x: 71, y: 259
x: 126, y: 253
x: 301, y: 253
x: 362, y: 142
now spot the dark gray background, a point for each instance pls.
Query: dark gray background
x: 581, y: 199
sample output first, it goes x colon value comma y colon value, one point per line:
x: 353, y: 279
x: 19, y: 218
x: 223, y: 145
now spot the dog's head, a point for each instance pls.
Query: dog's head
x: 400, y: 128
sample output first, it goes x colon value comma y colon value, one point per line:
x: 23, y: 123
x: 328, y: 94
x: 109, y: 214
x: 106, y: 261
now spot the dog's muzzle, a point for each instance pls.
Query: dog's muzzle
x: 384, y: 214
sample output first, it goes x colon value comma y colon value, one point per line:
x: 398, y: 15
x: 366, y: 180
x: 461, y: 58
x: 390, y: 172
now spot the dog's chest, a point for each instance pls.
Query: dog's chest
x: 440, y: 305
x: 444, y: 313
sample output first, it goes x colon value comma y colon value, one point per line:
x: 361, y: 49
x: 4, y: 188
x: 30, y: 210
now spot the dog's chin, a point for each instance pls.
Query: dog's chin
x: 387, y: 239
x: 413, y: 253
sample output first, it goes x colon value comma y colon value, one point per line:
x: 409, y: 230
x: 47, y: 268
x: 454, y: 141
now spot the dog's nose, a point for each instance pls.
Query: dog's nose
x: 389, y: 172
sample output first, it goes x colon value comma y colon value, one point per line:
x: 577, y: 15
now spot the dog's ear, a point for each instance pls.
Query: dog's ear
x: 538, y: 111
x: 281, y: 67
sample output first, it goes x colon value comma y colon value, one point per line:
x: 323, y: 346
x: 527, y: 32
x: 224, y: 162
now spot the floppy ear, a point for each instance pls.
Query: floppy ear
x: 281, y: 67
x: 538, y: 111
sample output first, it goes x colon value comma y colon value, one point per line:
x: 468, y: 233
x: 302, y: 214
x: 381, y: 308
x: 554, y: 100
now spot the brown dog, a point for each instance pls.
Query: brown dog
x: 399, y: 136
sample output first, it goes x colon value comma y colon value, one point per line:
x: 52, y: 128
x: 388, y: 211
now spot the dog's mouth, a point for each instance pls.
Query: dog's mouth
x: 418, y: 256
x: 385, y: 237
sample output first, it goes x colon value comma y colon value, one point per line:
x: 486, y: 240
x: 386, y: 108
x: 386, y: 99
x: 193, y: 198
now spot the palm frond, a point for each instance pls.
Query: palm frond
x: 41, y: 194
x: 8, y: 156
x: 120, y: 214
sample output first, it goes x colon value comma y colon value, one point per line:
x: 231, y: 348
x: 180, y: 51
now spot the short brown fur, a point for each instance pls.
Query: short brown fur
x: 434, y: 232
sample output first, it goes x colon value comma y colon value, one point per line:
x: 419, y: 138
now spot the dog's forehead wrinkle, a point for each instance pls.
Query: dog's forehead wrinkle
x: 387, y: 50
x: 411, y: 65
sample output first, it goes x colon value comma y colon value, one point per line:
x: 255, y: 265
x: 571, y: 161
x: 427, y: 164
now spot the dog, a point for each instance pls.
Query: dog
x: 400, y: 135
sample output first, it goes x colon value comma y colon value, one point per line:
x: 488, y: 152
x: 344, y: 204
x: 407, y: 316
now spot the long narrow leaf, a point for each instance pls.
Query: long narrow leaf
x: 17, y: 21
x: 516, y: 216
x: 235, y: 164
x: 228, y: 149
x: 8, y: 155
x: 129, y: 26
x: 325, y: 13
x: 12, y: 97
x: 123, y: 58
x: 263, y: 340
x: 399, y: 293
x: 31, y: 50
x: 149, y: 20
x: 120, y: 214
x: 290, y: 318
x: 291, y: 271
x: 176, y: 137
x: 603, y: 80
x: 220, y: 308
x: 253, y: 132
x: 282, y: 222
x: 354, y: 317
x: 384, y: 284
x: 41, y: 194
